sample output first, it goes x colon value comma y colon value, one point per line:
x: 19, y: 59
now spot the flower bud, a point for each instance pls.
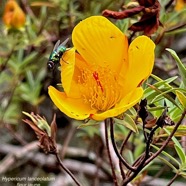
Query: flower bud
x: 13, y: 16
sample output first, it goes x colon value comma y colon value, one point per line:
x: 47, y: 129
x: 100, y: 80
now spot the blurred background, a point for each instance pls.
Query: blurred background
x: 25, y: 46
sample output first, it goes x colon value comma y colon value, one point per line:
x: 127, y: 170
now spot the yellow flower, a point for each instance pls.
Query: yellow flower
x: 101, y: 75
x: 180, y: 4
x: 13, y: 16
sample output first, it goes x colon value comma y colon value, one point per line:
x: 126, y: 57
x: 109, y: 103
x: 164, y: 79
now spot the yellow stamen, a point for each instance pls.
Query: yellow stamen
x: 100, y: 88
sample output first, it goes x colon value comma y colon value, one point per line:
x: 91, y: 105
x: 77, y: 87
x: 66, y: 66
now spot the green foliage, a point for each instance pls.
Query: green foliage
x: 182, y: 156
x: 88, y: 128
x: 181, y: 97
x: 181, y: 67
x: 127, y: 121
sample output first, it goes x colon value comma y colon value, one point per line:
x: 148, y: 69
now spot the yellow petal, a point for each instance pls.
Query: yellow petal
x: 141, y: 61
x: 127, y: 102
x: 100, y: 43
x: 74, y: 108
x: 71, y: 68
x: 67, y: 73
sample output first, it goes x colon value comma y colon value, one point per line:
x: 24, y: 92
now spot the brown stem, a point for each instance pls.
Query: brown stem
x: 4, y: 65
x: 173, y: 179
x: 167, y: 140
x: 108, y: 152
x: 160, y: 36
x: 16, y: 135
x: 168, y: 4
x: 12, y: 91
x: 136, y: 163
x: 27, y: 8
x: 141, y: 164
x: 125, y: 141
x: 66, y: 170
x: 116, y: 149
x: 121, y: 152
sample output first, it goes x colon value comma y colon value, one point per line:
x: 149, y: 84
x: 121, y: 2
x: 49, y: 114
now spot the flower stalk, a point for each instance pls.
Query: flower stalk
x: 108, y: 152
x: 121, y: 152
x: 116, y: 149
x: 67, y: 170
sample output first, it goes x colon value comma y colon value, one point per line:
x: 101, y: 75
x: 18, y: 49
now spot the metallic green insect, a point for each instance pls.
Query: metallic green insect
x: 56, y: 54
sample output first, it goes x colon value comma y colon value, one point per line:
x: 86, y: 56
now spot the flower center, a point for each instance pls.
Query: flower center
x: 100, y: 88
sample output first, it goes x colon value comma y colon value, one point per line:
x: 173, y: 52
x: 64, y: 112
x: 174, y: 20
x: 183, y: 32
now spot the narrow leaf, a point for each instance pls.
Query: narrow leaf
x: 128, y: 122
x: 88, y: 123
x: 167, y: 155
x: 183, y: 174
x: 180, y: 65
x: 165, y: 95
x: 181, y: 131
x: 173, y: 138
x: 181, y: 97
x: 167, y: 163
x: 180, y: 153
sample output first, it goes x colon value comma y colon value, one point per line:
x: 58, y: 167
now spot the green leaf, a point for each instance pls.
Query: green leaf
x: 178, y: 148
x: 132, y: 111
x: 183, y: 166
x: 150, y: 109
x: 159, y: 96
x: 167, y: 163
x: 29, y: 59
x: 167, y: 81
x: 89, y: 123
x: 180, y: 65
x: 128, y: 122
x: 175, y: 15
x: 173, y: 138
x: 167, y: 155
x: 161, y: 92
x: 129, y: 156
x: 88, y: 128
x: 181, y: 97
x: 180, y: 153
x: 181, y: 131
x: 183, y: 174
x: 166, y: 92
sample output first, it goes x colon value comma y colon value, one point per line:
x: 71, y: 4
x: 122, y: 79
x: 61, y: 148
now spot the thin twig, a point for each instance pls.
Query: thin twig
x: 168, y: 4
x: 125, y: 141
x: 16, y: 135
x: 136, y: 163
x: 12, y: 91
x: 167, y: 140
x: 66, y: 170
x: 4, y: 65
x: 109, y: 155
x: 173, y: 179
x: 141, y: 165
x: 28, y: 9
x: 115, y: 147
x: 121, y: 152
